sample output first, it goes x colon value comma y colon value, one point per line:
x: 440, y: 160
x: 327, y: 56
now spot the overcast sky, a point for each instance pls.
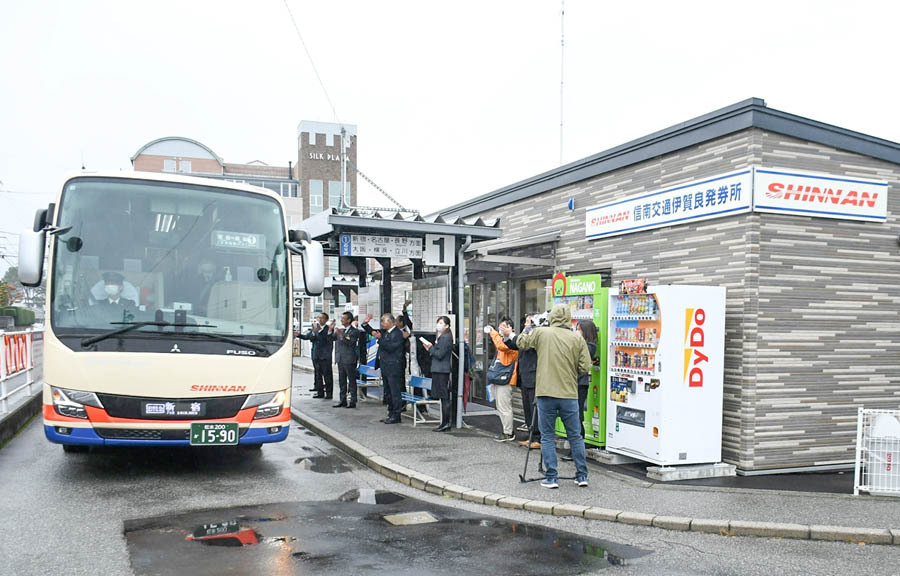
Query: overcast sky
x: 452, y: 100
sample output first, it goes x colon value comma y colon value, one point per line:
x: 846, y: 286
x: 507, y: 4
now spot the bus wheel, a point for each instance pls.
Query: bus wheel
x: 74, y: 449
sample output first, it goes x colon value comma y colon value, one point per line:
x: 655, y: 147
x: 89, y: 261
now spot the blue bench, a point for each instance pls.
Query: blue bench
x: 373, y: 377
x: 416, y: 401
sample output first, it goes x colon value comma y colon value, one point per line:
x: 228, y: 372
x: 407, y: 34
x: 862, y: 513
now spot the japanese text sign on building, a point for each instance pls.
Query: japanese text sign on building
x: 820, y: 195
x: 381, y: 246
x: 714, y: 197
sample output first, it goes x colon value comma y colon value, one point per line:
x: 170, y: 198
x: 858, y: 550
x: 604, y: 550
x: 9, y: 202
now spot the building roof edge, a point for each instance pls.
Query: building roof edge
x: 749, y: 113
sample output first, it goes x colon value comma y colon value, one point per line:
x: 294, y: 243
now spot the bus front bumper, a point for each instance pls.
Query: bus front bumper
x: 276, y: 432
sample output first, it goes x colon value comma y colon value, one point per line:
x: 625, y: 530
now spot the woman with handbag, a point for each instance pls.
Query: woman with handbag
x: 502, y: 376
x: 441, y: 351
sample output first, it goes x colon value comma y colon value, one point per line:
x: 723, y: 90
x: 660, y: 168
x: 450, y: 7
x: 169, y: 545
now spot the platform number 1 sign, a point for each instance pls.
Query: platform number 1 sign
x: 440, y: 250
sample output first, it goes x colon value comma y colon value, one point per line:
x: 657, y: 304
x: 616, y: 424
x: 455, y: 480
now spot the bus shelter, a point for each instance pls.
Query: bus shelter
x: 433, y: 248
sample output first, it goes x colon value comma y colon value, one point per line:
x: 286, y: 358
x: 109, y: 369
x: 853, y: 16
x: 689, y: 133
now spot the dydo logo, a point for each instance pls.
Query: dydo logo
x: 694, y: 358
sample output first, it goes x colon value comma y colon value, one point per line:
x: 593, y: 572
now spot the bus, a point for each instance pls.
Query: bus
x: 169, y: 317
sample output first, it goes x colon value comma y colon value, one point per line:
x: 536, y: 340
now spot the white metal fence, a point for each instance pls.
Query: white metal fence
x: 18, y: 366
x: 877, y: 452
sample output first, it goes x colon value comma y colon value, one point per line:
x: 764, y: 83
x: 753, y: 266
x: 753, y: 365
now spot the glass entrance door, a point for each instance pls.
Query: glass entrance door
x: 488, y: 304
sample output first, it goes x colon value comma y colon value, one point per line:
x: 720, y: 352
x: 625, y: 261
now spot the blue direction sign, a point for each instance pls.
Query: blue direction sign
x: 345, y: 245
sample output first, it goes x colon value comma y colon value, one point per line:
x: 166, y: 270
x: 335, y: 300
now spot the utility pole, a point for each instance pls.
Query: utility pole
x: 562, y: 63
x: 345, y: 197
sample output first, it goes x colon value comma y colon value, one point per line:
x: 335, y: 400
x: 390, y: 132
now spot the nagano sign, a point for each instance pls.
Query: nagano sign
x: 576, y: 285
x: 753, y: 189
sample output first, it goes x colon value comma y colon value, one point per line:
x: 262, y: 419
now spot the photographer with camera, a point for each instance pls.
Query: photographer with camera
x: 502, y: 376
x: 527, y: 381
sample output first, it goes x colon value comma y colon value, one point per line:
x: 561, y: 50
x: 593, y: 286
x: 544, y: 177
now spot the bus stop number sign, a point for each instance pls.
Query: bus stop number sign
x: 440, y: 249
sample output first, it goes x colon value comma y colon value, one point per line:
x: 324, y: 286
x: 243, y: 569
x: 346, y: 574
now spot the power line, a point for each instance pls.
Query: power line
x: 311, y: 63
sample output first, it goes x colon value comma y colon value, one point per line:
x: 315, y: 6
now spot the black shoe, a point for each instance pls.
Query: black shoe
x: 340, y: 405
x: 318, y: 396
x: 328, y: 397
x: 350, y: 405
x: 442, y: 428
x: 394, y: 420
x: 312, y: 389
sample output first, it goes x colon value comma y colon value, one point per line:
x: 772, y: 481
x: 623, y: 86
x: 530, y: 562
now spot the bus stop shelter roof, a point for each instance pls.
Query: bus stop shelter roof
x: 329, y: 224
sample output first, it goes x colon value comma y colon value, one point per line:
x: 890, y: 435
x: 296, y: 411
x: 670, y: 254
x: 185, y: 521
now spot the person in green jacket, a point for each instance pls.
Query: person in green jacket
x: 562, y: 356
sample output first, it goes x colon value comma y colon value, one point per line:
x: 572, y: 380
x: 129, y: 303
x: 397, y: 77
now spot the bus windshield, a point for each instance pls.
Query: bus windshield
x: 181, y: 258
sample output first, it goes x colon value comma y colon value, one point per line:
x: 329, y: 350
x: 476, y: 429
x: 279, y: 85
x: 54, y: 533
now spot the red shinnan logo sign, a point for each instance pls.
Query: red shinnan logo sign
x: 821, y: 195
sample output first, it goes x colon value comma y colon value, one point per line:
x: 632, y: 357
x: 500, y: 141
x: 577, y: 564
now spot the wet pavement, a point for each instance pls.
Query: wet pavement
x: 362, y: 532
x: 99, y: 513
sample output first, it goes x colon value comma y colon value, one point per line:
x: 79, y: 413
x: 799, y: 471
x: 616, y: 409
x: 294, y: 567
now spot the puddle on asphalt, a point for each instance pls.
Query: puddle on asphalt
x: 352, y: 536
x: 328, y: 464
x: 234, y: 534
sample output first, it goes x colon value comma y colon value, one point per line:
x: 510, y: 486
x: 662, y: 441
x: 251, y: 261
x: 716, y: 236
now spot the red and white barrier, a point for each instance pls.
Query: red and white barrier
x: 16, y: 359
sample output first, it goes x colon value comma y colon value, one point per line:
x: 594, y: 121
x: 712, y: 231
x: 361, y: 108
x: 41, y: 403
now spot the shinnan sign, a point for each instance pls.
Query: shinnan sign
x: 710, y: 198
x: 792, y: 192
x: 757, y: 189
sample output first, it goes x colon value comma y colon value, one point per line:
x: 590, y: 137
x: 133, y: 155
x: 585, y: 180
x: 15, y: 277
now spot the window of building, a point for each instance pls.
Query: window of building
x: 334, y: 194
x: 312, y: 138
x: 168, y: 165
x: 184, y: 165
x: 332, y: 266
x: 315, y: 196
x: 288, y: 190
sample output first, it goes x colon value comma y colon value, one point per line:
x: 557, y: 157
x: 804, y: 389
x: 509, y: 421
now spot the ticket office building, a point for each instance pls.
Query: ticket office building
x: 796, y: 218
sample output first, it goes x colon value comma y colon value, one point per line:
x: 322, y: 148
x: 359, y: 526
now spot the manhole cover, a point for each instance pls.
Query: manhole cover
x: 411, y: 518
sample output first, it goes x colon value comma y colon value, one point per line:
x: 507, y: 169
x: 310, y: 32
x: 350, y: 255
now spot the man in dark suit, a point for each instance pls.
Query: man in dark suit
x: 347, y: 358
x: 363, y: 352
x: 322, y: 336
x: 392, y: 359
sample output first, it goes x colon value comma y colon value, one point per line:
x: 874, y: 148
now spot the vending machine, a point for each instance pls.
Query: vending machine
x: 666, y: 369
x: 588, y: 300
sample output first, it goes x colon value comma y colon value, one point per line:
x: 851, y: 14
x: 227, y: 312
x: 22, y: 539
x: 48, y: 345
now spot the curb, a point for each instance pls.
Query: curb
x: 438, y: 487
x: 16, y: 419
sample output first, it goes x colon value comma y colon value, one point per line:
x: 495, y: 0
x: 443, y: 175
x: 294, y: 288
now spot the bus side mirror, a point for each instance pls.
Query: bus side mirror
x: 31, y: 257
x: 313, y: 264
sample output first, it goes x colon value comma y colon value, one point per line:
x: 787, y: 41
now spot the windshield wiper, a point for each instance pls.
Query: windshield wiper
x: 261, y: 350
x: 129, y: 326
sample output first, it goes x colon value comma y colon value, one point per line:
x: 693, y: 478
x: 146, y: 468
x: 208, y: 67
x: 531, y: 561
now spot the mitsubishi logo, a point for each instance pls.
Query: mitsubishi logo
x: 175, y: 348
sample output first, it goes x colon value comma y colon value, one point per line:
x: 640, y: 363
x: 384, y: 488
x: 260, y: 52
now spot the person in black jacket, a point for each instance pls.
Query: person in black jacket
x: 392, y: 360
x: 527, y: 383
x: 588, y: 331
x: 363, y: 352
x: 322, y: 336
x: 441, y: 353
x: 347, y: 358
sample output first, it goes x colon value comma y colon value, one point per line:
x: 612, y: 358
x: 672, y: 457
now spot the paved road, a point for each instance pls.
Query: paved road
x: 122, y: 511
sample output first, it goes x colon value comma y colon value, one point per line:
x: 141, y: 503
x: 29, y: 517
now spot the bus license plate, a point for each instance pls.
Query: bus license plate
x: 214, y: 433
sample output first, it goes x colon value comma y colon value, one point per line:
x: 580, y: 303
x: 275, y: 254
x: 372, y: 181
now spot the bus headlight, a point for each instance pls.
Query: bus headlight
x: 72, y: 402
x: 269, y: 404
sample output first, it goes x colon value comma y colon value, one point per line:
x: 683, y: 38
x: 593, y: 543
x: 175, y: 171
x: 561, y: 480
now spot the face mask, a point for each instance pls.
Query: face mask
x: 440, y: 327
x: 111, y: 290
